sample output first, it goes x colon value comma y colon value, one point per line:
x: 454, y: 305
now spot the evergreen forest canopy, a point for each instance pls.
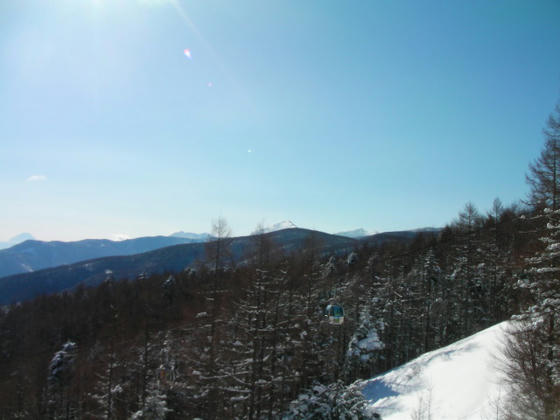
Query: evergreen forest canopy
x: 253, y: 342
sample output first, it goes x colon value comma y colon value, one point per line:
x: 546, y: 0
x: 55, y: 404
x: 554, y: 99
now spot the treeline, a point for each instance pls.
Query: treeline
x: 244, y: 342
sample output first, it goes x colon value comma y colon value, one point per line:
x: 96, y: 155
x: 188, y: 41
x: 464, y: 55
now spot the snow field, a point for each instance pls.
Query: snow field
x: 460, y: 381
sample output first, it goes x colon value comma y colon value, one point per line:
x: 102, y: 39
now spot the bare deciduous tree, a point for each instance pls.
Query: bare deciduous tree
x: 544, y: 173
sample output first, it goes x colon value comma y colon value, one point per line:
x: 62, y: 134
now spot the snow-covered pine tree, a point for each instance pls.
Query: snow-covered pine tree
x: 335, y: 401
x: 539, y: 334
x: 363, y: 353
x: 155, y: 407
x: 61, y: 369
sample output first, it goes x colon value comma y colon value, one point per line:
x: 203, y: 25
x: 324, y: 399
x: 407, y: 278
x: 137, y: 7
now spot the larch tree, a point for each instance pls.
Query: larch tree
x: 259, y: 333
x: 218, y: 252
x: 544, y: 173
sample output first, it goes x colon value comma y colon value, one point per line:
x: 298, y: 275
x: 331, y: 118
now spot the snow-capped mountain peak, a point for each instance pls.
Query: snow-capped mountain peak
x: 193, y: 236
x: 285, y: 224
x: 356, y: 233
x: 22, y: 237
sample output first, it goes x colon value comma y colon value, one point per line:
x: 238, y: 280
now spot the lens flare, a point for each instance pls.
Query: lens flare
x: 187, y: 53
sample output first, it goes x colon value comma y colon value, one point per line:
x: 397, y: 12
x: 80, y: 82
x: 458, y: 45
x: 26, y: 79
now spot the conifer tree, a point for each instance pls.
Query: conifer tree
x: 61, y: 369
x: 364, y: 347
x: 335, y: 401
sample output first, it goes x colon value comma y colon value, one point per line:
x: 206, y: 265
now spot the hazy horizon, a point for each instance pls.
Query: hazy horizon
x: 122, y: 238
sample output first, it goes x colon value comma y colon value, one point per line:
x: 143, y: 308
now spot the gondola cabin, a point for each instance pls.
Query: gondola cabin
x: 335, y: 314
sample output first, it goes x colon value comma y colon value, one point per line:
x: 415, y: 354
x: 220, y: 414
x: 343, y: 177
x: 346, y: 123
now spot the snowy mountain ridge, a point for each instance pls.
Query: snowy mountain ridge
x: 428, y: 229
x: 285, y: 224
x: 356, y: 233
x: 459, y: 381
x: 22, y: 237
x: 199, y: 237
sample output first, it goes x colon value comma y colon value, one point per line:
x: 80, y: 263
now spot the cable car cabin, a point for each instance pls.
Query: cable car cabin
x: 335, y: 314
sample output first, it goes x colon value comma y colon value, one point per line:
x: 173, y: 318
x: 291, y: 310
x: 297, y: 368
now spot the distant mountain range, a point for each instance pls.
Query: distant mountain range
x: 35, y: 255
x: 22, y: 237
x: 28, y: 255
x: 174, y: 258
x: 24, y: 254
x: 362, y: 233
x: 169, y: 259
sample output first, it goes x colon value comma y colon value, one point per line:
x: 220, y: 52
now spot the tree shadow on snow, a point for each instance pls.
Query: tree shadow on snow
x: 377, y: 389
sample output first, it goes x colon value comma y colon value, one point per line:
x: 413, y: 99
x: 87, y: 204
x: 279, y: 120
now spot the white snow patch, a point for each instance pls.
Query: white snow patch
x: 27, y: 268
x: 460, y: 381
x: 371, y: 342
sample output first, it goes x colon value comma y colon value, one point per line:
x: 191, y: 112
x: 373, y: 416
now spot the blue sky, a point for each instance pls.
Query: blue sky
x: 385, y: 115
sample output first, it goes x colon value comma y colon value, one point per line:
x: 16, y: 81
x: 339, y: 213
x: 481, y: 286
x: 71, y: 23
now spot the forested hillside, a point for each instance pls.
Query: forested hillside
x: 243, y: 343
x: 166, y: 259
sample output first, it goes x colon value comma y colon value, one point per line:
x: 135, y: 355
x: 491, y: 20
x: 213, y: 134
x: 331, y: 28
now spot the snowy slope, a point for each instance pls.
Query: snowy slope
x: 460, y: 381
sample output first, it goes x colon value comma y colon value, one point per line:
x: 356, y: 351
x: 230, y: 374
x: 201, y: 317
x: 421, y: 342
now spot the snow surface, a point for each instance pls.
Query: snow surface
x: 461, y: 381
